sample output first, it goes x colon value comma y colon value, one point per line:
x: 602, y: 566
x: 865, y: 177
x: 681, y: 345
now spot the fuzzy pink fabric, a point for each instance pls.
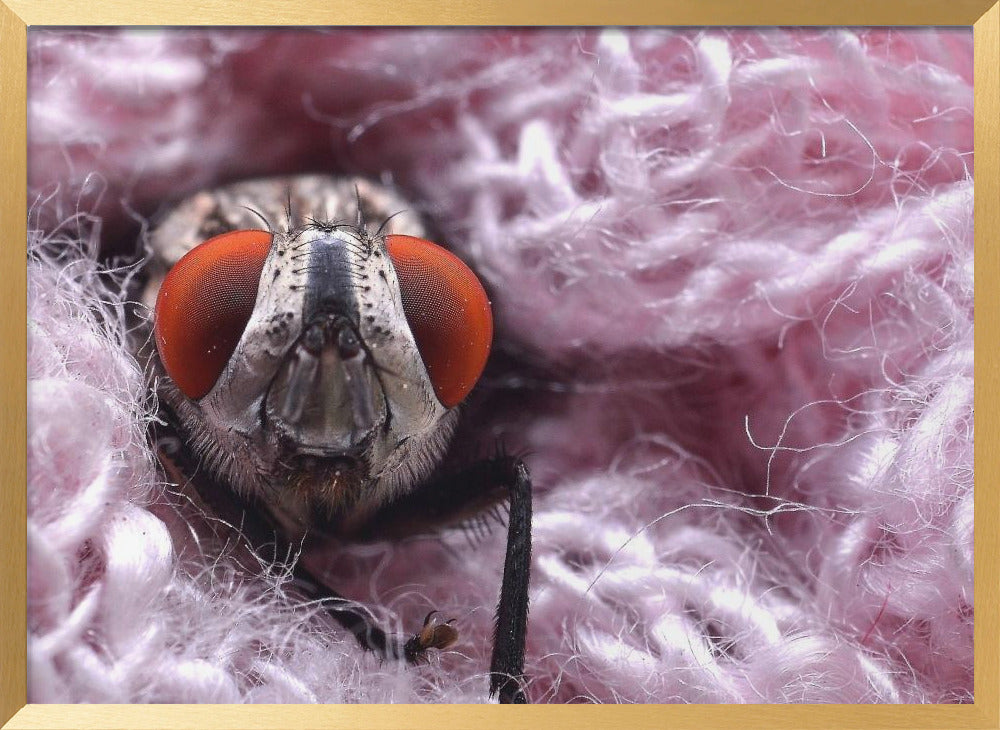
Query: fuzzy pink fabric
x: 732, y: 274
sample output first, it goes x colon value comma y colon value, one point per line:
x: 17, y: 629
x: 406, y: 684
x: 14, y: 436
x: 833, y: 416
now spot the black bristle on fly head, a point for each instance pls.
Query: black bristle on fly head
x: 381, y: 228
x: 362, y: 222
x: 264, y: 220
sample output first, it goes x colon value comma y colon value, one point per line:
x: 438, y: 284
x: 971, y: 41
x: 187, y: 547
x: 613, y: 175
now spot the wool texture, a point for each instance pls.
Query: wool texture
x: 732, y: 278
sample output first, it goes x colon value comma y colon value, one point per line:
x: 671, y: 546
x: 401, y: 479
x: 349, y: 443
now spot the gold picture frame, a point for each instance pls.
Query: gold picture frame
x: 17, y: 15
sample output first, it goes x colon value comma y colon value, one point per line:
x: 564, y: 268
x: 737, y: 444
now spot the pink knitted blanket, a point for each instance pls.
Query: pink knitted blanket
x: 732, y: 275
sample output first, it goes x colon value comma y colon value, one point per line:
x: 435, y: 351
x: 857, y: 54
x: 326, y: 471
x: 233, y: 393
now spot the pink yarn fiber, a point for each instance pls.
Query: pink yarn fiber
x: 732, y: 274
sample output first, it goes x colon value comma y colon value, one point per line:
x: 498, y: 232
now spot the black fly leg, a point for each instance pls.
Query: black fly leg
x: 452, y: 499
x: 507, y: 663
x: 369, y: 636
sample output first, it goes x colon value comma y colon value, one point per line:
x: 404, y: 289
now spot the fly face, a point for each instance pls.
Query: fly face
x: 320, y: 367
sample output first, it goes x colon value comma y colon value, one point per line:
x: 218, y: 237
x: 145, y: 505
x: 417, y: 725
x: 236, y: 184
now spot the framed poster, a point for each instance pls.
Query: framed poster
x: 731, y: 271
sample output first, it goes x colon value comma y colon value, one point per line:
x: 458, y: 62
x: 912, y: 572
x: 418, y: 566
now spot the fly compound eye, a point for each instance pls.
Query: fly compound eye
x: 448, y: 313
x: 204, y: 305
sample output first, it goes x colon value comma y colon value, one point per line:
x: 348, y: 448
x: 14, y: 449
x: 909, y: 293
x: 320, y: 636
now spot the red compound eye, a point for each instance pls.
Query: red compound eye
x: 204, y: 305
x: 448, y: 313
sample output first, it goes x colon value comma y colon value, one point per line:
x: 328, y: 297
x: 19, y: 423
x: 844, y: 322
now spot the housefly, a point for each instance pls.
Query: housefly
x: 312, y: 367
